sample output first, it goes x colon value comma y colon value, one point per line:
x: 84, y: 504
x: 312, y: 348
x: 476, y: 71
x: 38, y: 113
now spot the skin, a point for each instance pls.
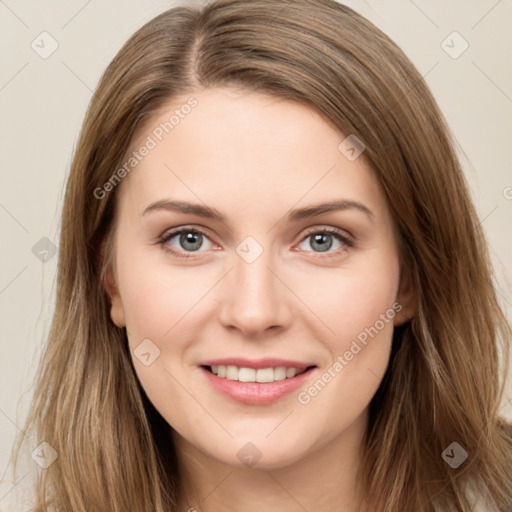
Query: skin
x: 254, y: 158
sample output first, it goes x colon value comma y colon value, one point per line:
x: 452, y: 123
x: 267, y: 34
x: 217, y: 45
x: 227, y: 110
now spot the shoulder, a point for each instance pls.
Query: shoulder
x: 17, y: 491
x: 16, y: 495
x: 477, y: 501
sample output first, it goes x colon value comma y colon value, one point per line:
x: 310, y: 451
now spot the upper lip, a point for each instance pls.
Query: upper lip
x: 266, y: 362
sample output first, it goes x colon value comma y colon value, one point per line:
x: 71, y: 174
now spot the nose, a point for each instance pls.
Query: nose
x: 255, y: 300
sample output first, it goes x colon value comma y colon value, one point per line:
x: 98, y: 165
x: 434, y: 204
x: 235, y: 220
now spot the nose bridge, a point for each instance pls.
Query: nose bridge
x: 254, y: 297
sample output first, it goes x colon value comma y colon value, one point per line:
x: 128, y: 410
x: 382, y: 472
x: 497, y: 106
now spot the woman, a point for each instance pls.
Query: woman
x: 249, y: 370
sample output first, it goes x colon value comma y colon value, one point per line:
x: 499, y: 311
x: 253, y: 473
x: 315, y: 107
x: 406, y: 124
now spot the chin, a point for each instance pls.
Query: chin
x: 261, y: 455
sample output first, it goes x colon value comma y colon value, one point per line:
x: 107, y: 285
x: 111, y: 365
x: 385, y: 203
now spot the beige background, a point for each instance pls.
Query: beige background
x: 42, y: 103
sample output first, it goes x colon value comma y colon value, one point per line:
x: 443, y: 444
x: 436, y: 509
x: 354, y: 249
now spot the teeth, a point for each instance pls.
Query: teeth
x: 263, y: 375
x: 251, y: 375
x: 244, y: 375
x: 280, y: 373
x: 231, y: 373
x: 290, y: 372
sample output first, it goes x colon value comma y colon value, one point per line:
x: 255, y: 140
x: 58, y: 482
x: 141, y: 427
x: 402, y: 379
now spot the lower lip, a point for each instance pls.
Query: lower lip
x: 256, y: 393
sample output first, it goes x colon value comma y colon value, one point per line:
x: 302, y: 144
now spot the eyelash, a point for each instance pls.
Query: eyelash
x: 347, y: 241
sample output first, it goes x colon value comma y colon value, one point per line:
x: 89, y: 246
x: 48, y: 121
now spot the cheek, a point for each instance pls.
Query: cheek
x: 358, y: 358
x: 159, y: 307
x: 159, y: 300
x: 358, y: 309
x: 349, y: 301
x: 361, y: 305
x: 162, y: 305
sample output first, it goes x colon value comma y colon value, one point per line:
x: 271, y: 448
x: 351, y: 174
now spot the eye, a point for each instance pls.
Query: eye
x: 321, y: 240
x: 187, y: 240
x: 190, y: 240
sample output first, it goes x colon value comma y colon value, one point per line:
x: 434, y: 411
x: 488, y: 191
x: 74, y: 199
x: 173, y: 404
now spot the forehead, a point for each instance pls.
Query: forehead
x: 241, y: 148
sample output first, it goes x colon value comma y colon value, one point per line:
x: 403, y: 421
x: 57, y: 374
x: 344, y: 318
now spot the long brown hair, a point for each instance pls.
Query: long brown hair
x: 445, y: 378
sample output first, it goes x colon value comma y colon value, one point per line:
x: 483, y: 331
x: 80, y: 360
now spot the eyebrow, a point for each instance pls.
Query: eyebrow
x: 294, y: 216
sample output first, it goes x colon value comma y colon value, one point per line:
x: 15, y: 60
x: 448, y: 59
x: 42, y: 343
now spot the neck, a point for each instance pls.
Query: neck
x: 324, y: 479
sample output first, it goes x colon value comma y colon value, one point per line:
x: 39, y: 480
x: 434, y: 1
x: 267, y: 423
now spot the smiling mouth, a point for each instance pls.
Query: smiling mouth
x: 260, y: 375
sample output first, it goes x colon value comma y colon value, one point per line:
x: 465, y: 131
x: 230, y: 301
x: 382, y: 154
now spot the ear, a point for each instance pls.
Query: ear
x: 406, y: 297
x: 116, y: 306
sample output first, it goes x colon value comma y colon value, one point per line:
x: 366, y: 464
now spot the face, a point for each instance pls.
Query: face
x: 226, y: 267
